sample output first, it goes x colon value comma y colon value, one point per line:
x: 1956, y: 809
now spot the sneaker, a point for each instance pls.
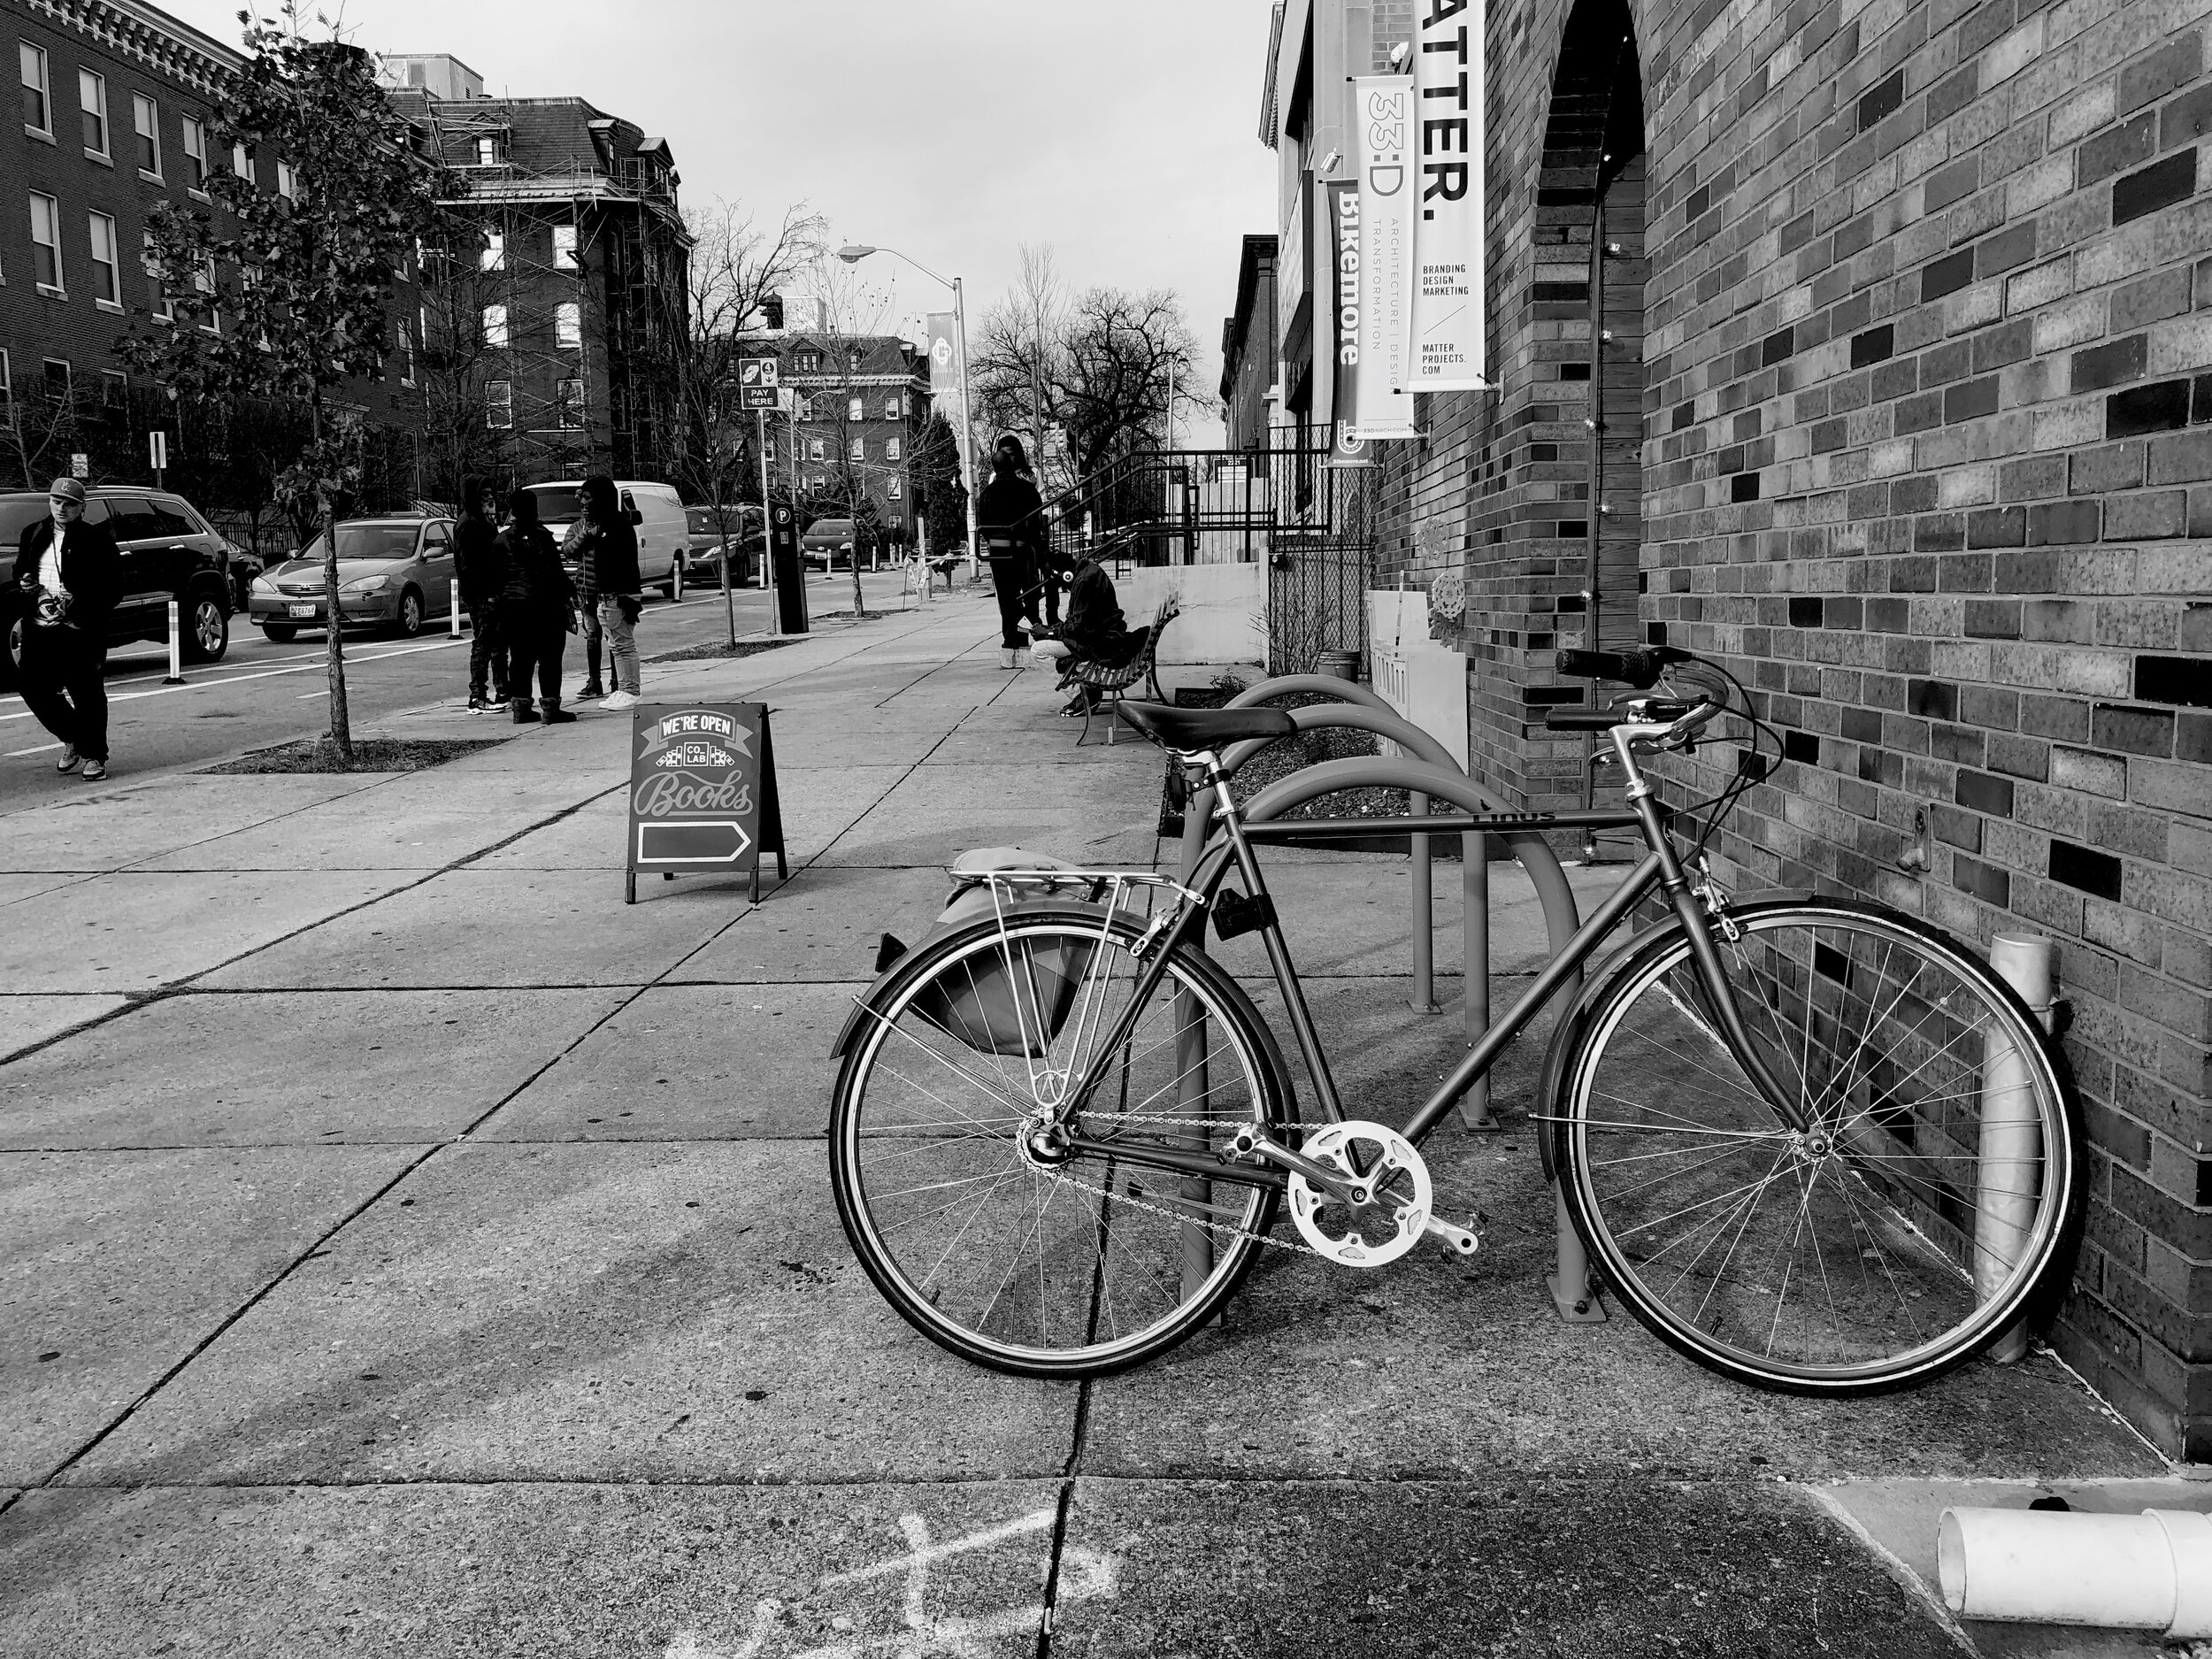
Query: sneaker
x: 592, y: 689
x: 70, y: 759
x: 621, y: 700
x: 477, y: 705
x: 95, y: 770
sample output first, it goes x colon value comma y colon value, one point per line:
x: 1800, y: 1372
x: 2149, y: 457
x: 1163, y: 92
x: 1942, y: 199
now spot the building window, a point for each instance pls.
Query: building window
x: 45, y: 243
x: 815, y: 452
x: 92, y: 94
x: 7, y: 387
x: 194, y: 154
x: 568, y: 324
x: 564, y: 247
x: 406, y: 354
x: 894, y: 489
x: 499, y: 404
x: 495, y: 326
x: 568, y: 405
x: 157, y: 294
x: 852, y: 359
x: 288, y: 181
x: 112, y: 388
x: 895, y: 406
x: 494, y: 254
x: 857, y: 450
x: 892, y: 448
x: 856, y: 410
x: 57, y: 381
x: 242, y: 163
x: 38, y: 113
x: 807, y: 362
x: 802, y: 406
x: 146, y: 122
x: 488, y: 152
x: 203, y: 282
x: 107, y: 281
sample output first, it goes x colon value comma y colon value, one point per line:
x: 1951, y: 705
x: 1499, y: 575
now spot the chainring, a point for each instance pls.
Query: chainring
x: 1392, y: 1163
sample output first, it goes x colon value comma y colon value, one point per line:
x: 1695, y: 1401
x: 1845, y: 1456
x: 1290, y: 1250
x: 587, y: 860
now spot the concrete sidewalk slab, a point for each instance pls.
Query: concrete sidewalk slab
x: 300, y: 1068
x: 691, y: 1063
x: 110, y: 828
x: 114, y: 1266
x: 608, y: 1313
x: 493, y: 928
x: 130, y: 931
x: 16, y: 888
x: 529, y: 1570
x: 376, y: 834
x: 1580, y: 1570
x: 27, y: 1021
x: 893, y: 835
x: 824, y: 926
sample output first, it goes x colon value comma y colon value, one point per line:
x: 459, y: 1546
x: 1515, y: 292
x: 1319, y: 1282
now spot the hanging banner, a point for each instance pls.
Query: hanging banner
x: 944, y: 364
x: 1383, y: 407
x: 1447, y: 312
x: 1338, y: 336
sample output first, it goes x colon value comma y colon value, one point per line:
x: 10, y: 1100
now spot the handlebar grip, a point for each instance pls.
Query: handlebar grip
x: 1595, y: 664
x: 1583, y: 719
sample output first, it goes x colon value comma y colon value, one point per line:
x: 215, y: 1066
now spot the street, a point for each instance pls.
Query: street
x: 263, y: 693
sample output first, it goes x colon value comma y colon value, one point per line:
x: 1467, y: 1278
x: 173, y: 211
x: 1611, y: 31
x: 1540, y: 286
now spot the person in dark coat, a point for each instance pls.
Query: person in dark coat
x: 1010, y: 518
x: 70, y: 576
x: 479, y: 573
x: 604, y: 549
x: 1094, y: 632
x: 536, y: 611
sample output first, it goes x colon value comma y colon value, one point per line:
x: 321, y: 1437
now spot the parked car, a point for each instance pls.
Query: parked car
x: 168, y: 551
x: 394, y: 572
x: 243, y: 568
x: 703, y: 559
x: 828, y: 541
x: 662, y: 533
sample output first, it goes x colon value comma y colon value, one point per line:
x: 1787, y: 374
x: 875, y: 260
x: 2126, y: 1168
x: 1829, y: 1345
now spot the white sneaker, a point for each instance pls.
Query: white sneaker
x: 621, y: 700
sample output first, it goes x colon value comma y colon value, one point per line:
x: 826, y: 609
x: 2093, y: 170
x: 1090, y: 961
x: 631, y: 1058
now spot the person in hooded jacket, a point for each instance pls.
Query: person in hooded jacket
x: 604, y: 549
x: 1010, y: 520
x: 536, y: 611
x: 479, y: 573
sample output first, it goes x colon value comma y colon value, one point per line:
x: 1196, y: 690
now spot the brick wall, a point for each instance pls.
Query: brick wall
x: 1926, y: 456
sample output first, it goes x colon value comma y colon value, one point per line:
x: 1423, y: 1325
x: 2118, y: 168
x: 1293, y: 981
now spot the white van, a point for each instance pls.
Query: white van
x: 662, y: 534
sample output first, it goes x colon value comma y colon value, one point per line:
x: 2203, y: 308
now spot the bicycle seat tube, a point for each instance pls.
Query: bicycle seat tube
x: 1643, y: 799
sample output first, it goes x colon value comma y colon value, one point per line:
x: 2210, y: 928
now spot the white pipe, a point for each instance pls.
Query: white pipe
x: 453, y: 610
x: 176, y: 648
x: 2011, y: 1152
x: 2147, y: 1571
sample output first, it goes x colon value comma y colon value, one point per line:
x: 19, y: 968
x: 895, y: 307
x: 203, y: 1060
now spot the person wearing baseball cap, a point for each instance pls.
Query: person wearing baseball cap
x: 70, y: 576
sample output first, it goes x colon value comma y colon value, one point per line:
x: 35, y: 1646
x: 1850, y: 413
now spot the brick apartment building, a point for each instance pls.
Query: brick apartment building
x: 1248, y: 348
x: 1906, y: 415
x: 546, y: 342
x: 860, y: 403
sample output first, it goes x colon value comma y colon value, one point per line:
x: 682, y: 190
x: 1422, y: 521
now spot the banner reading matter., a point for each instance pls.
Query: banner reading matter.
x: 1383, y: 407
x: 1448, y: 309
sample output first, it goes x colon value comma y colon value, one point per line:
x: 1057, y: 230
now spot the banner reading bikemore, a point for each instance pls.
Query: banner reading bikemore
x: 1384, y: 405
x: 702, y: 791
x: 1448, y: 311
x: 1342, y: 337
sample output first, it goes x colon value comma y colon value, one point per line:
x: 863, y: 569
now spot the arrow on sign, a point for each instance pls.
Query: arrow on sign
x: 692, y: 841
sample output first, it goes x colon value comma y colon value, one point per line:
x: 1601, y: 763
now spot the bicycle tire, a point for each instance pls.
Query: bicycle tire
x: 1101, y: 1286
x: 1913, y: 1252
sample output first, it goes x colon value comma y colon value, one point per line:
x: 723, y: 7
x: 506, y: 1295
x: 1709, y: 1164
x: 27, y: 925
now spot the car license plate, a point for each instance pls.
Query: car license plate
x: 301, y: 610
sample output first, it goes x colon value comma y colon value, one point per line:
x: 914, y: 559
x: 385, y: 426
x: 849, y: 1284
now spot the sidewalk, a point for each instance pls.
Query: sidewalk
x: 408, y: 1246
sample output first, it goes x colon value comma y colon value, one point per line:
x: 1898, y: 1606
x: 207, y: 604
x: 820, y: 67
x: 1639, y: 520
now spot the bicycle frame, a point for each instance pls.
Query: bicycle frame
x: 1231, y: 848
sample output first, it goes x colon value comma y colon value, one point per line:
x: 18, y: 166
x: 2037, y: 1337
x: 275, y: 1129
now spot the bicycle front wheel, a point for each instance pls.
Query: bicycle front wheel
x: 951, y: 1172
x: 1895, y: 1232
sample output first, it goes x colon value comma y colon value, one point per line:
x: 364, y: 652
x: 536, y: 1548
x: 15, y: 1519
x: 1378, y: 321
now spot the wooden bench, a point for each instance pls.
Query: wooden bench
x: 1102, y: 682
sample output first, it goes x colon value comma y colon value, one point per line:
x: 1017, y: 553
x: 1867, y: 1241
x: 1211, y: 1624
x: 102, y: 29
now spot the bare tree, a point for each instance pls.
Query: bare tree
x: 737, y: 265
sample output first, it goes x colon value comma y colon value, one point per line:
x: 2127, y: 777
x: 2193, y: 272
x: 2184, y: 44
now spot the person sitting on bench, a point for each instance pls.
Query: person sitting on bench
x: 1094, y: 631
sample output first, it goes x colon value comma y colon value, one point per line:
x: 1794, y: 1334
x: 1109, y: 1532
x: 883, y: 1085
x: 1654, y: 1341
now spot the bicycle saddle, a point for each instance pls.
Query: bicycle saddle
x: 1188, y: 729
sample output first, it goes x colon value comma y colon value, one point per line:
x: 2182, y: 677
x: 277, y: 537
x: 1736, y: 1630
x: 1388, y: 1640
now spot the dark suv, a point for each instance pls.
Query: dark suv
x: 168, y: 551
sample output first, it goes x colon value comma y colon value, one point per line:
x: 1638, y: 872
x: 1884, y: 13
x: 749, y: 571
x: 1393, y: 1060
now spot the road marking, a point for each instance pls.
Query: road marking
x: 237, y: 680
x: 41, y: 749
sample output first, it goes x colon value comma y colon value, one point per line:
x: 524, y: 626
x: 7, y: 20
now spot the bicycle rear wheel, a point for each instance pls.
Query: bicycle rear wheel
x: 1898, y: 1233
x: 1018, y: 1257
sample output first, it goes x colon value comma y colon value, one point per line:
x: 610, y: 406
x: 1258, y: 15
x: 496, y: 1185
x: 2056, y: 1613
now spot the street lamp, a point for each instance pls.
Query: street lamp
x: 853, y: 253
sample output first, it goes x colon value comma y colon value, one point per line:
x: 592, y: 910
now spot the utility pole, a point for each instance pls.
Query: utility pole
x: 767, y: 548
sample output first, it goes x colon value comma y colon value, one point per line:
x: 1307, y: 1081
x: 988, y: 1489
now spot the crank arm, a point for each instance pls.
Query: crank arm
x: 1357, y: 1194
x: 1461, y: 1242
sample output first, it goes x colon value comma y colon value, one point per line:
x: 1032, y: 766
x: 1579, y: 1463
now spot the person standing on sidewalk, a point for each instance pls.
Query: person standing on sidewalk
x: 71, y: 575
x: 479, y: 573
x: 1010, y: 521
x: 606, y: 553
x: 535, y: 612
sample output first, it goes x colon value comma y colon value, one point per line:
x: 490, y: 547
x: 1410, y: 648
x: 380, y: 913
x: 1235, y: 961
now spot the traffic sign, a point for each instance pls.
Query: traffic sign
x: 756, y: 381
x: 81, y: 466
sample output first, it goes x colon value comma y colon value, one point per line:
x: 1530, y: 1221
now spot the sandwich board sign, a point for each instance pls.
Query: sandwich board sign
x: 702, y: 791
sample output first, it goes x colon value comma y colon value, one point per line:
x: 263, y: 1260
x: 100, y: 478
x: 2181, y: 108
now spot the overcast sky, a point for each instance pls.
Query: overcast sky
x: 1124, y: 133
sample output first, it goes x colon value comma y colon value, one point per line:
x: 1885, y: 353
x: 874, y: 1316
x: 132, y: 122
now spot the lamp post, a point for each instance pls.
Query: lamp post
x: 853, y: 253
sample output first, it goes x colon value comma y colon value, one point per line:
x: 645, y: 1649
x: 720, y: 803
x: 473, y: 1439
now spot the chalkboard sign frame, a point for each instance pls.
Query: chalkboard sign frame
x: 697, y: 781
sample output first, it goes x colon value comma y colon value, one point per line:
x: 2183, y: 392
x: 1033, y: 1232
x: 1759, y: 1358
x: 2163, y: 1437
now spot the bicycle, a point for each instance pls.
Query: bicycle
x: 1812, y: 1144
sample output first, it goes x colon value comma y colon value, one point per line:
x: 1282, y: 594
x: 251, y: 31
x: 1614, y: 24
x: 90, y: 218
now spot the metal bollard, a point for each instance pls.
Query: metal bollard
x: 2011, y: 1145
x: 453, y: 615
x: 1572, y: 1290
x: 677, y: 585
x: 175, y: 677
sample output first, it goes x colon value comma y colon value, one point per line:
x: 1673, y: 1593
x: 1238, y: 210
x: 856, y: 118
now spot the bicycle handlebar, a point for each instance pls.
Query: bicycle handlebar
x: 1641, y: 669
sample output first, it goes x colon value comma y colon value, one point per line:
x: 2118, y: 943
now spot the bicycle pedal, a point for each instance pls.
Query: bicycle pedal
x: 1461, y: 1242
